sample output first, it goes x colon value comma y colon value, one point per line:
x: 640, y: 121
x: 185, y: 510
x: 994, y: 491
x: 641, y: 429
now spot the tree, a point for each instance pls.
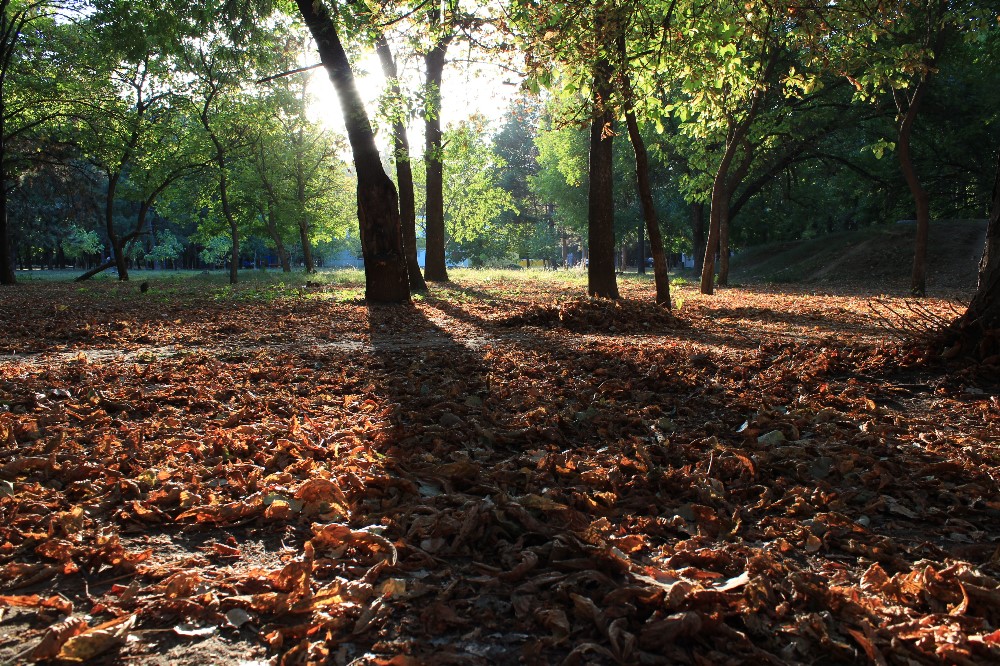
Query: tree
x: 474, y: 200
x: 404, y: 168
x: 660, y: 276
x: 601, y: 280
x: 31, y: 96
x: 378, y: 202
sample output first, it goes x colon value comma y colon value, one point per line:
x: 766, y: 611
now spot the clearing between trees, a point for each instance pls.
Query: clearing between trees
x: 500, y: 472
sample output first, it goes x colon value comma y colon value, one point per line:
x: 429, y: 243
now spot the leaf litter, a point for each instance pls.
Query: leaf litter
x: 498, y: 473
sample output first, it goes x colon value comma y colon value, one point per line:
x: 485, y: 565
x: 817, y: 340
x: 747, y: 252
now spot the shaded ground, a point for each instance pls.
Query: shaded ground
x: 880, y: 257
x: 499, y: 473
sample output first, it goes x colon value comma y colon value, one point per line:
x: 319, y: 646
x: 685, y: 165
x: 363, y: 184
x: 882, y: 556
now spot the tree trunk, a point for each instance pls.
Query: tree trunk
x: 434, y: 263
x: 303, y: 219
x: 977, y: 332
x: 601, y: 279
x: 307, y: 255
x: 714, y: 226
x: 918, y: 276
x: 227, y: 211
x: 720, y: 201
x: 660, y: 269
x: 378, y: 203
x: 404, y: 171
x: 723, y: 280
x: 279, y: 243
x: 698, y: 234
x: 117, y: 246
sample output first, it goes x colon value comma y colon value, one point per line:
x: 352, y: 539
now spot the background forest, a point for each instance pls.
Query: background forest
x: 200, y: 136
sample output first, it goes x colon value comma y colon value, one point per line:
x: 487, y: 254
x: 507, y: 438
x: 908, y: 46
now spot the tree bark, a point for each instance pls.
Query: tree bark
x: 300, y: 198
x: 918, y: 275
x: 279, y: 243
x: 601, y: 280
x: 404, y: 171
x: 660, y: 269
x: 723, y: 279
x: 698, y: 234
x: 435, y: 267
x: 378, y: 202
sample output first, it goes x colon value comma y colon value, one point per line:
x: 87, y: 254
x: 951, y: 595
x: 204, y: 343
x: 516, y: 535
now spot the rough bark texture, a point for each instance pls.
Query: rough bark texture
x: 404, y: 172
x: 660, y: 276
x: 434, y: 262
x: 378, y: 203
x: 918, y: 277
x: 601, y: 280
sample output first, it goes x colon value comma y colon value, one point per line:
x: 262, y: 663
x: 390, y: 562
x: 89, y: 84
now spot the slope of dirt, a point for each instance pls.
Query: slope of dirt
x: 490, y: 475
x: 878, y: 256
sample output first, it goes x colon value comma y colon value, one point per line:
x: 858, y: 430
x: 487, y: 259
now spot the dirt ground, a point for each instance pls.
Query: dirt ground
x: 500, y: 472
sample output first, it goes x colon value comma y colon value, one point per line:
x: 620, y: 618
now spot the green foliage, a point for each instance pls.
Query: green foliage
x: 216, y: 250
x: 80, y: 243
x: 168, y: 247
x: 473, y: 197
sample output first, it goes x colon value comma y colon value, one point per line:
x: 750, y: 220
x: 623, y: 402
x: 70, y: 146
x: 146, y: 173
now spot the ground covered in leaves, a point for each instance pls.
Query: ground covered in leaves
x: 502, y: 472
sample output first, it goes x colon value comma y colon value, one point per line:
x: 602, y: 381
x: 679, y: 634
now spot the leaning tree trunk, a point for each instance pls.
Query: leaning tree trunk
x: 378, y: 203
x: 435, y: 267
x: 660, y: 270
x: 404, y: 171
x: 601, y: 279
x: 918, y: 276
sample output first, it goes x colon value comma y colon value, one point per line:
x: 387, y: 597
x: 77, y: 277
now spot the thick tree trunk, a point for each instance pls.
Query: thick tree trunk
x: 698, y: 234
x: 404, y: 172
x: 918, y: 276
x: 660, y: 269
x: 378, y: 203
x: 601, y: 279
x: 434, y: 263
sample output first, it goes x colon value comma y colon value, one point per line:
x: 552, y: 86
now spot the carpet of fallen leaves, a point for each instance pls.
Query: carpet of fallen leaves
x: 502, y: 472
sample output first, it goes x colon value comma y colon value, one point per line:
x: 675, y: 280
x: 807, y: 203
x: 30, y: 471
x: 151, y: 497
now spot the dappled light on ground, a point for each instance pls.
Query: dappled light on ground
x: 500, y: 472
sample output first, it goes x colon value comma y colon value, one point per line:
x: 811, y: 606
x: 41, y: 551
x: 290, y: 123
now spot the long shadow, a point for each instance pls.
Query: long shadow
x: 838, y: 484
